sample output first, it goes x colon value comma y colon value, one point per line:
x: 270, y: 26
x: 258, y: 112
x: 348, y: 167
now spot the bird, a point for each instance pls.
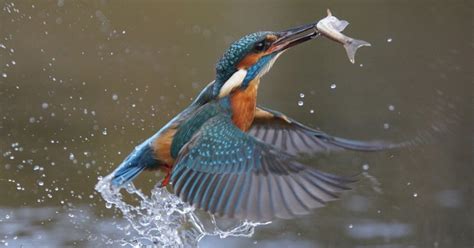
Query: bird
x: 232, y: 158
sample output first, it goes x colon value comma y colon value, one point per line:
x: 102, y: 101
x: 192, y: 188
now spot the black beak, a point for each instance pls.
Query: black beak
x: 294, y: 36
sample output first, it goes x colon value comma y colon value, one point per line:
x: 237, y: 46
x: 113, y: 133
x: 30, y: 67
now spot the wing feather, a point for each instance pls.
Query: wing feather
x: 284, y: 133
x: 229, y: 173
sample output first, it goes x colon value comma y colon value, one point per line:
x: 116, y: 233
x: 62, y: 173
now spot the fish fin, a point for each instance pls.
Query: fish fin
x: 340, y: 25
x: 329, y: 12
x: 351, y: 48
x: 337, y: 24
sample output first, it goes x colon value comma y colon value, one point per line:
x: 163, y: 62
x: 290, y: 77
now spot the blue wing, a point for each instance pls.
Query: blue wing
x: 228, y: 173
x: 284, y: 133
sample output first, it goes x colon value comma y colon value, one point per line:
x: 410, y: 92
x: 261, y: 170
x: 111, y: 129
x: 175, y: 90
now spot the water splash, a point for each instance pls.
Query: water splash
x: 163, y: 220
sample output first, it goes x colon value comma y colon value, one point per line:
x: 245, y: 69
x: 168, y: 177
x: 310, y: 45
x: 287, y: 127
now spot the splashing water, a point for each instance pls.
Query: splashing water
x: 163, y: 220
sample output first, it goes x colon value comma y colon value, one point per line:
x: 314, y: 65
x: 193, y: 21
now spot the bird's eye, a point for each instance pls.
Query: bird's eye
x: 259, y: 47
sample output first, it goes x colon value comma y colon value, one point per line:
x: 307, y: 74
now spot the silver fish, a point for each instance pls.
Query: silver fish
x: 331, y: 27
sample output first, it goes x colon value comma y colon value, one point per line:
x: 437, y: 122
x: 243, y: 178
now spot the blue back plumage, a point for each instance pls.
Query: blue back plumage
x: 190, y: 126
x: 221, y: 154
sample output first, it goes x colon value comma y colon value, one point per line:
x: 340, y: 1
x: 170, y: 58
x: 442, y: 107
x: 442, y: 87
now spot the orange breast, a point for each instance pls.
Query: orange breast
x: 243, y: 104
x: 162, y: 146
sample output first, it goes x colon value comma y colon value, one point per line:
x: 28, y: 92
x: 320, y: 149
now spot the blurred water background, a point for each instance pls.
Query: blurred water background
x: 83, y: 82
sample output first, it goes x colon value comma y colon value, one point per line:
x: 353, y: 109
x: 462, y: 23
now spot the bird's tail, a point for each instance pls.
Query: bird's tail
x: 140, y: 159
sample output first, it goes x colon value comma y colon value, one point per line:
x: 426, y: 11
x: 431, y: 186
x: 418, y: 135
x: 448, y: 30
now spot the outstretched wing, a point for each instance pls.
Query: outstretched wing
x: 284, y: 133
x: 228, y: 173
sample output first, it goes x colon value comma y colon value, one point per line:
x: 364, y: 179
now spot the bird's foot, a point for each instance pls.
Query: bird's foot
x: 166, y: 180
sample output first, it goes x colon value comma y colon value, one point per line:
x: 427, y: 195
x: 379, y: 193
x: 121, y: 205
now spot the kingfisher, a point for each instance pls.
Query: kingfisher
x: 232, y: 158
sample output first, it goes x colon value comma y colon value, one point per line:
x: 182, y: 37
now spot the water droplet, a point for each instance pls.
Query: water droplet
x: 300, y: 103
x: 301, y: 95
x: 391, y: 107
x: 71, y: 156
x: 115, y: 97
x: 7, y: 217
x: 333, y: 86
x: 45, y: 105
x: 4, y: 75
x: 311, y: 111
x: 40, y: 183
x: 36, y: 167
x: 361, y: 65
x: 104, y: 132
x: 389, y: 40
x: 351, y: 226
x: 32, y: 119
x: 415, y: 194
x: 365, y: 167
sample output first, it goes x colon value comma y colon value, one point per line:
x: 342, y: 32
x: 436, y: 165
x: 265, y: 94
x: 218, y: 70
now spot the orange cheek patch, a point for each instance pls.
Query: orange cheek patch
x: 252, y: 58
x: 272, y: 37
x: 249, y: 60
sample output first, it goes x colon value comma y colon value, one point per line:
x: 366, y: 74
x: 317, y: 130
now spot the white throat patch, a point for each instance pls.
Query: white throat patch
x: 269, y: 65
x: 234, y: 81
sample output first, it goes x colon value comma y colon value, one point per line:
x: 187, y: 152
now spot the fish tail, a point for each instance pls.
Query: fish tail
x: 351, y: 47
x: 139, y: 160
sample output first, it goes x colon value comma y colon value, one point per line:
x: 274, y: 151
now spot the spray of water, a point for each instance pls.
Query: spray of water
x: 163, y: 220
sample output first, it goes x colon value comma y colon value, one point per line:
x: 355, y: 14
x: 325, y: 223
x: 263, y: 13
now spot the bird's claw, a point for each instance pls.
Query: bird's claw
x: 166, y: 180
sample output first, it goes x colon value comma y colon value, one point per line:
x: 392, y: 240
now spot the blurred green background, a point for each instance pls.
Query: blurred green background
x: 83, y: 82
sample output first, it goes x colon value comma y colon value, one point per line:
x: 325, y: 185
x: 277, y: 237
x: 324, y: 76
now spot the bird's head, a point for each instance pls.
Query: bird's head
x: 253, y: 55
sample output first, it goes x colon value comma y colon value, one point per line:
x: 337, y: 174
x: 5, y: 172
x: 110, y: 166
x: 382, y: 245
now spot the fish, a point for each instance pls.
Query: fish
x: 331, y: 27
